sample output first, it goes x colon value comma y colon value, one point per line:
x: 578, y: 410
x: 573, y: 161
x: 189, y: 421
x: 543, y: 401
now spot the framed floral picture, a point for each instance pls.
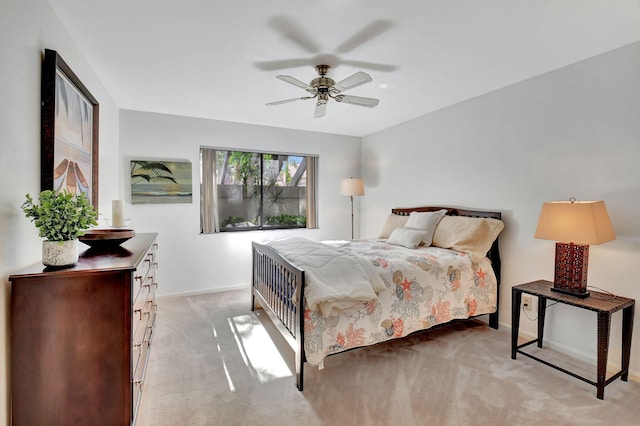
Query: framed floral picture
x: 69, y: 153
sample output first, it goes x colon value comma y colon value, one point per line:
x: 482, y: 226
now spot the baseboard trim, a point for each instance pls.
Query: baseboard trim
x: 206, y: 291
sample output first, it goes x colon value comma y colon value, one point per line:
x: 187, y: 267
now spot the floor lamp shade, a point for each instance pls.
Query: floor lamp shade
x: 352, y: 187
x: 573, y: 225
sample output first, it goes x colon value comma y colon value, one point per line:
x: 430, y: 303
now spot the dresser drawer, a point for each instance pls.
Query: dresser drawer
x: 140, y: 365
x: 136, y: 393
x: 144, y: 275
x: 138, y: 320
x: 143, y: 317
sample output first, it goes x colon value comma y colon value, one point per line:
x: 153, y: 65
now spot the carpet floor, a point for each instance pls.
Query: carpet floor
x: 214, y: 362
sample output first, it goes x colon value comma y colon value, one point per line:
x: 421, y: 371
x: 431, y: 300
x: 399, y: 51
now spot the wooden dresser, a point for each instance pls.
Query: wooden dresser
x: 80, y: 337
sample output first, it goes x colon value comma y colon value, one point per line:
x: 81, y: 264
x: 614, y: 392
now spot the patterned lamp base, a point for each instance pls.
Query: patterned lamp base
x: 571, y: 269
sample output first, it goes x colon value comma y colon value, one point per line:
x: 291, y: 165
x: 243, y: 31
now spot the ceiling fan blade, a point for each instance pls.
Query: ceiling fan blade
x: 370, y: 65
x: 297, y: 82
x: 369, y: 32
x: 357, y: 100
x: 321, y: 110
x: 289, y: 100
x: 350, y: 82
x: 294, y: 32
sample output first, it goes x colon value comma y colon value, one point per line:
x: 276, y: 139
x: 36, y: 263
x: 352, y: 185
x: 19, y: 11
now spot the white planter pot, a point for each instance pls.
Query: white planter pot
x: 59, y: 253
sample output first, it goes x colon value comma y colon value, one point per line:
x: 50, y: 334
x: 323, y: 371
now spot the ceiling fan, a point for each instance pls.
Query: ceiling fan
x: 324, y: 88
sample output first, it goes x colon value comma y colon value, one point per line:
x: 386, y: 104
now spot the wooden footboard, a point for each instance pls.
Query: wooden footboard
x: 279, y: 287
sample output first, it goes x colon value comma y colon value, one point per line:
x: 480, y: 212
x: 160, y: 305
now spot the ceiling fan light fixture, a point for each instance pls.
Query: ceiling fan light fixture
x: 324, y: 88
x: 323, y: 98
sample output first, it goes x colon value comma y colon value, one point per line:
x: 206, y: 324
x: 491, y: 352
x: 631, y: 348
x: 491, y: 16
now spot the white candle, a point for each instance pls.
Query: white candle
x: 117, y: 213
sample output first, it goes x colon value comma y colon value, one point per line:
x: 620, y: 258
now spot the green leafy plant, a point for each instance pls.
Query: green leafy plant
x: 287, y: 219
x: 60, y: 216
x: 232, y: 221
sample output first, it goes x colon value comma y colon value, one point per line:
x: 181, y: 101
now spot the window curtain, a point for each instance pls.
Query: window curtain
x: 312, y: 167
x: 209, y: 193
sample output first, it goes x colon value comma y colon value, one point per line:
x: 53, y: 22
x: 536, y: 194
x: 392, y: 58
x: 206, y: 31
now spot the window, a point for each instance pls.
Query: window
x: 249, y: 190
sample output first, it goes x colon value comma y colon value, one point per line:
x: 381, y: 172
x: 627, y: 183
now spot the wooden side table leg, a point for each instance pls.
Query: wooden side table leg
x: 604, y: 328
x: 542, y: 310
x: 516, y: 297
x: 627, y: 330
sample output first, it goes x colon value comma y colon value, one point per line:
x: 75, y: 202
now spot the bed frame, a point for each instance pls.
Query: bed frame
x: 277, y: 286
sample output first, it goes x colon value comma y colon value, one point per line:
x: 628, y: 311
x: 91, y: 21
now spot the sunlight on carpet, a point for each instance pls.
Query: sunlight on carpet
x: 232, y: 387
x: 259, y: 354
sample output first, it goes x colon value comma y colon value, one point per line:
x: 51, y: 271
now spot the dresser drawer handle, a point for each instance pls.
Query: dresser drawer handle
x: 139, y: 311
x: 137, y: 346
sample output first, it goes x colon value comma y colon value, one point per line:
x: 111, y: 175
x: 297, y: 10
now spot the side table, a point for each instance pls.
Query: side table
x: 602, y: 303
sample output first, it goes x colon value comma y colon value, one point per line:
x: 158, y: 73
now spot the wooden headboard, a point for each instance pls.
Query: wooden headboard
x: 494, y: 251
x: 451, y: 211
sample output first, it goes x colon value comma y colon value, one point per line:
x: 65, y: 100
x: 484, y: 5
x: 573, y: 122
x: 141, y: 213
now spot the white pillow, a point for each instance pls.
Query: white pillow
x: 427, y: 221
x: 408, y: 237
x: 393, y: 221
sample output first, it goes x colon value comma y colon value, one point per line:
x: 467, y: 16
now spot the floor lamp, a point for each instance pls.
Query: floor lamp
x: 353, y: 188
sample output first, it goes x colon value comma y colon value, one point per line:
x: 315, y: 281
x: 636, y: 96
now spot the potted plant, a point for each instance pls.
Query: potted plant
x: 61, y: 218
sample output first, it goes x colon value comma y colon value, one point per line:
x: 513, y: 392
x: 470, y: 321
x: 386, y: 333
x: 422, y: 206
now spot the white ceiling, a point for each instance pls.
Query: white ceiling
x: 218, y: 59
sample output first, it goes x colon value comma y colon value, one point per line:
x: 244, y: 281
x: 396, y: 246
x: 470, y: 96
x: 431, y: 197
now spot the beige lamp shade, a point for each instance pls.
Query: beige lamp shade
x: 352, y: 186
x: 580, y: 222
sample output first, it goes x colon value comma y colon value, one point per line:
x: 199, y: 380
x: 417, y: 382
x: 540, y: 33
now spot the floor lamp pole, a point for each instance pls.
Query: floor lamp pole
x: 352, y: 217
x: 352, y: 187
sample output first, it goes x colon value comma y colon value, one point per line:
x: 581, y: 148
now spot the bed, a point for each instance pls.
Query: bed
x: 454, y: 277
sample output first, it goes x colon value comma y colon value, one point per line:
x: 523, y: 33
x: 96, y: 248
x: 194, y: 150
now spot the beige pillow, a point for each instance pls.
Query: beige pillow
x: 408, y: 237
x: 471, y: 235
x: 427, y: 221
x: 393, y: 221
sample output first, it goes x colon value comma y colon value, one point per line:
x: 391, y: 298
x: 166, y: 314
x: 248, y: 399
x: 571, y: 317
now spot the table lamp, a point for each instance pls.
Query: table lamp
x: 573, y: 225
x: 352, y: 187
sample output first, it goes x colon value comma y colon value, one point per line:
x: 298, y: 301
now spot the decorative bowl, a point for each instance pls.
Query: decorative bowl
x: 106, y: 238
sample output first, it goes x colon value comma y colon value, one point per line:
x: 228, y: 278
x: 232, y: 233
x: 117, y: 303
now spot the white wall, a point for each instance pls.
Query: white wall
x: 571, y: 132
x: 27, y: 27
x: 191, y: 262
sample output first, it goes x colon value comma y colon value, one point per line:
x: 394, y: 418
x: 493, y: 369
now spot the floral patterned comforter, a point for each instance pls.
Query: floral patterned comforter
x: 425, y: 287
